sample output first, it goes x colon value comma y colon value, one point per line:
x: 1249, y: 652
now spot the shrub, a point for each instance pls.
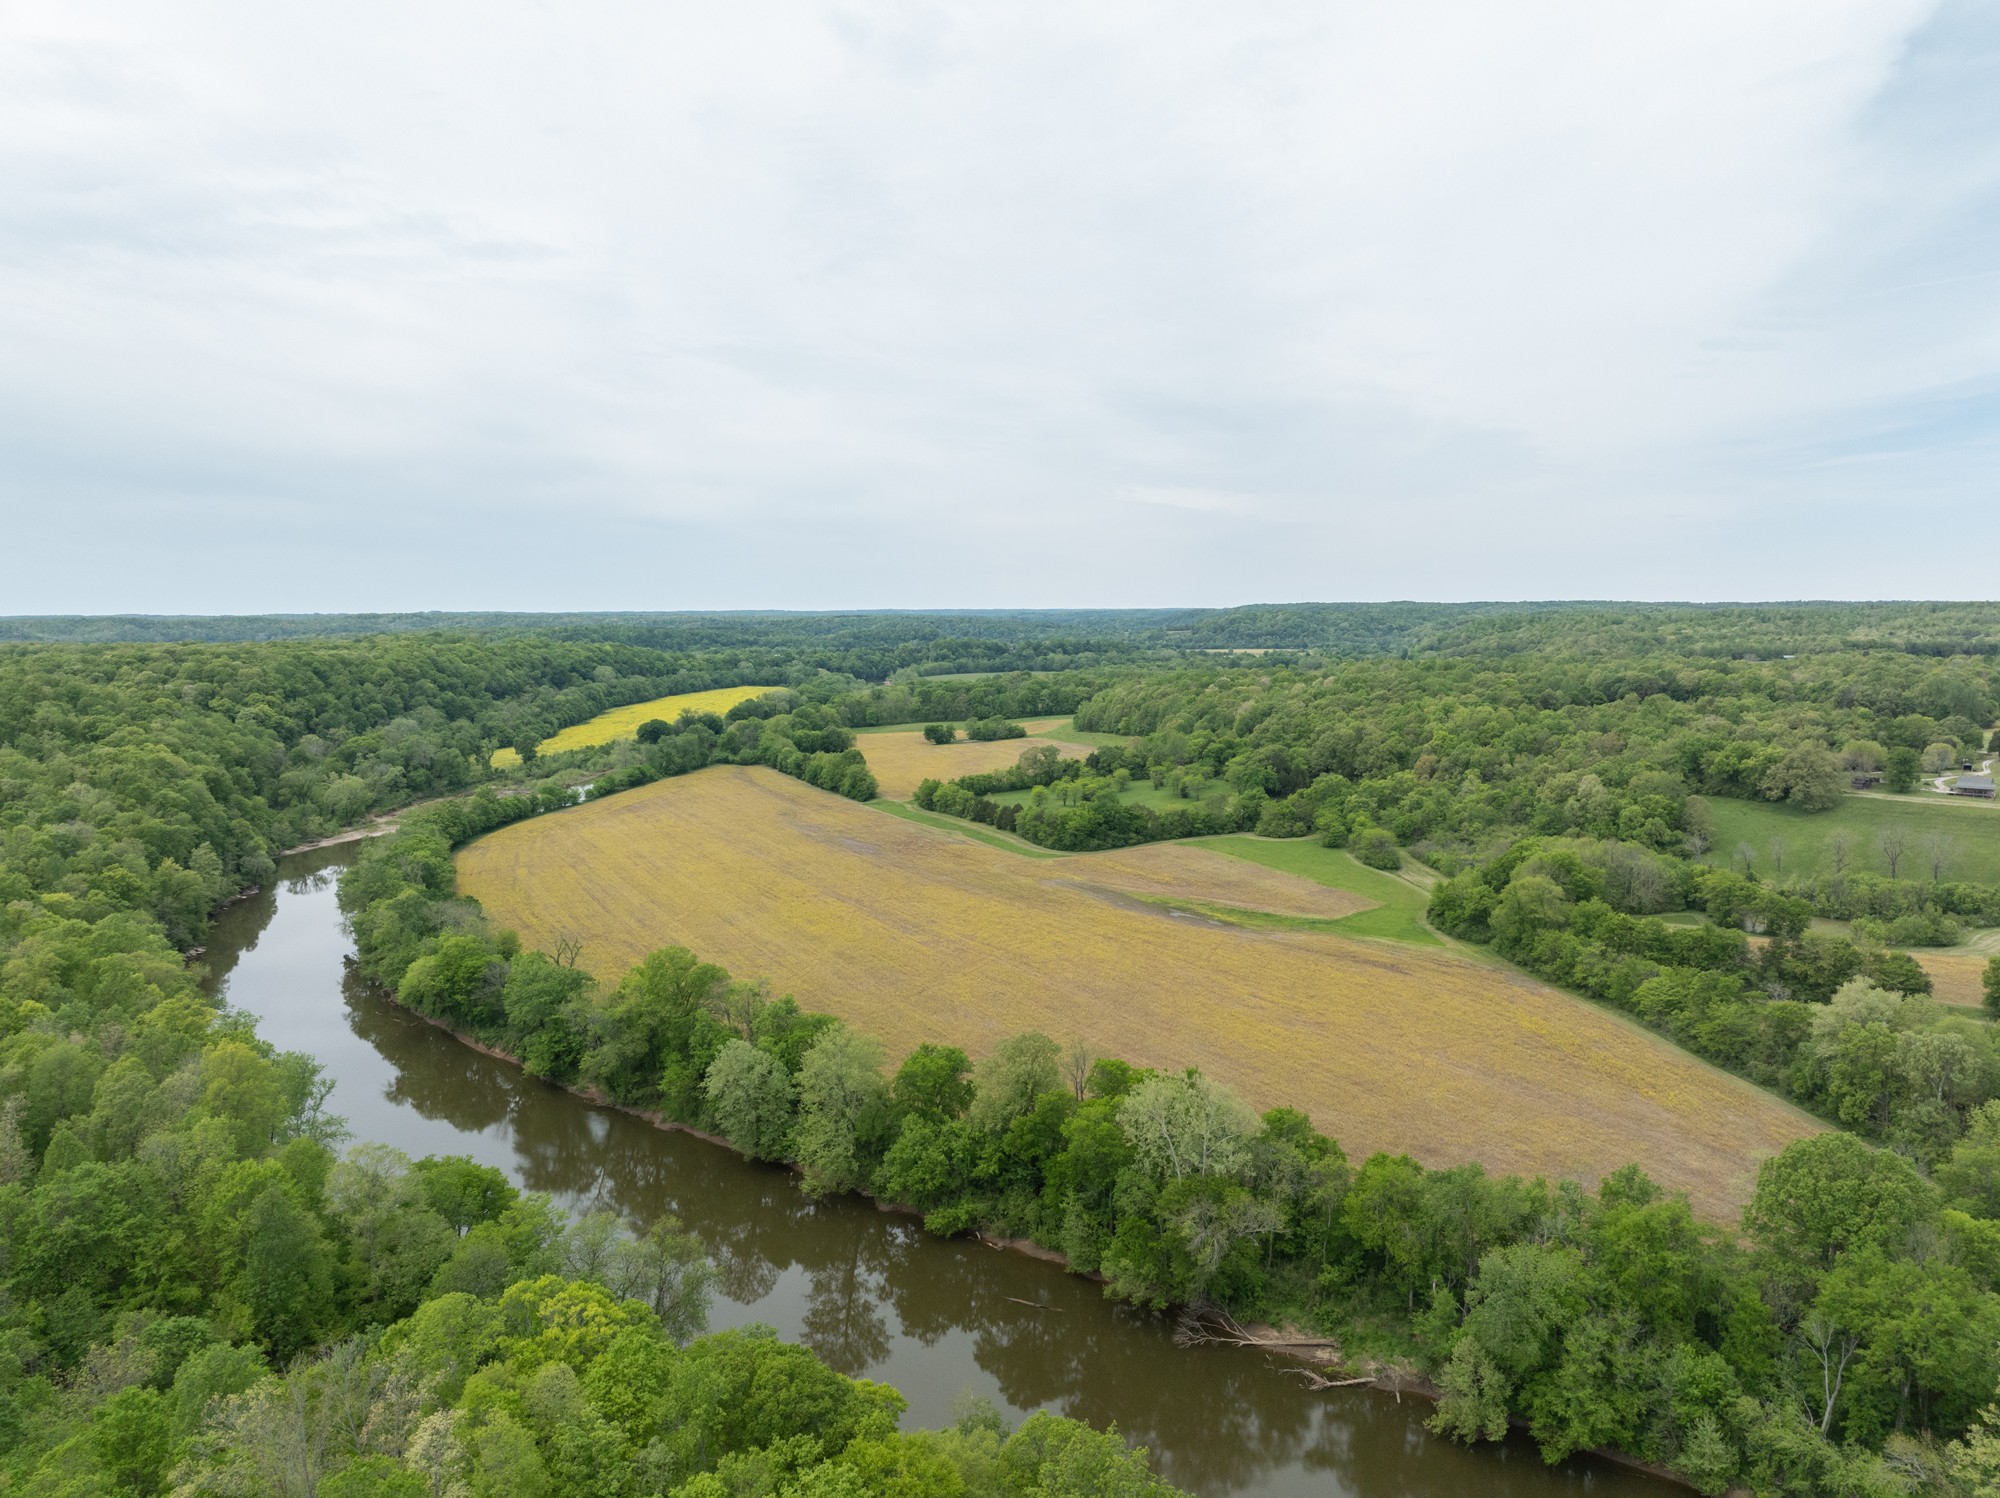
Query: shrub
x: 1376, y: 847
x: 1925, y: 928
x: 984, y: 730
x: 1281, y: 819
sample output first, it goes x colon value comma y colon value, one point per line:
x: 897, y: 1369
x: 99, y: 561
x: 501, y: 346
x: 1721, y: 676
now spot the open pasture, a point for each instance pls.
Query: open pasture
x: 912, y: 934
x: 902, y: 759
x: 623, y: 722
x: 1802, y: 840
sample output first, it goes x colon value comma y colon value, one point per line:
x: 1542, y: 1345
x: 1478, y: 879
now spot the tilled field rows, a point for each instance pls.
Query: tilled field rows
x: 913, y: 934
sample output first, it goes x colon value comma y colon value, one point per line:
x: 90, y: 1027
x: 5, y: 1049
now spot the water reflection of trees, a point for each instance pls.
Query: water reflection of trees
x: 1216, y: 1423
x: 231, y: 934
x: 1217, y: 1420
x: 1214, y: 1433
x: 434, y: 1075
x: 843, y: 1323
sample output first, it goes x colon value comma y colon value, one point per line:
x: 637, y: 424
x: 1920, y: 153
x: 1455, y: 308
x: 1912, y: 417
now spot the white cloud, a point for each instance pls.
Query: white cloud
x: 1201, y: 501
x: 853, y: 304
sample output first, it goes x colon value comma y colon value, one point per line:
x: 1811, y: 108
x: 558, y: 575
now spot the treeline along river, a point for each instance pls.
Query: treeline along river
x: 866, y: 1290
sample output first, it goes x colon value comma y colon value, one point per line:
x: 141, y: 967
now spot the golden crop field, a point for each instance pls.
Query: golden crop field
x: 902, y: 760
x: 1955, y: 977
x: 623, y: 722
x: 911, y: 933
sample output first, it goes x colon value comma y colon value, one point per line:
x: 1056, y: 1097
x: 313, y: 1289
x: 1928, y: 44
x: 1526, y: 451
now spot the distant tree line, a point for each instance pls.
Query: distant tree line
x: 875, y: 645
x: 1449, y: 754
x: 994, y: 700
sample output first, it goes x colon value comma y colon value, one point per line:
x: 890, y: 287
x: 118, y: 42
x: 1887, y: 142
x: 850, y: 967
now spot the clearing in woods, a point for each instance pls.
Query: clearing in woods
x: 901, y: 759
x: 623, y: 722
x: 1957, y: 974
x: 911, y: 934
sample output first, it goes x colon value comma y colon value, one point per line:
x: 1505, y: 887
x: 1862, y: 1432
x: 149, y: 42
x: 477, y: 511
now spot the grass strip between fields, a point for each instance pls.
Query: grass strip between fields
x: 1256, y: 920
x: 1398, y: 914
x: 1399, y: 909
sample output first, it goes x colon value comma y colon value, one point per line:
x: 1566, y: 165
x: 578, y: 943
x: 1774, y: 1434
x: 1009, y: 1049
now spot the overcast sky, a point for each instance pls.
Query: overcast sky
x: 506, y: 305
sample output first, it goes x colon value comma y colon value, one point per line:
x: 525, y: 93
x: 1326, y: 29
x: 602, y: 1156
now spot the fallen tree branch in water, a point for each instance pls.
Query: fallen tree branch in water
x: 1317, y: 1381
x: 1202, y: 1326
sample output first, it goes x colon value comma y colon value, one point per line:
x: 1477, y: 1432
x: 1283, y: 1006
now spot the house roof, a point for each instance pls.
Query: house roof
x: 1974, y: 783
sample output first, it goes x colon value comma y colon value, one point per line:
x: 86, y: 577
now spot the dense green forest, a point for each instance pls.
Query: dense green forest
x: 1447, y: 753
x: 195, y: 1279
x: 199, y: 1290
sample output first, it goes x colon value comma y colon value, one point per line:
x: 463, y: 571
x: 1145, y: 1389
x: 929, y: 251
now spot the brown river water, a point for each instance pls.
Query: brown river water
x: 868, y: 1291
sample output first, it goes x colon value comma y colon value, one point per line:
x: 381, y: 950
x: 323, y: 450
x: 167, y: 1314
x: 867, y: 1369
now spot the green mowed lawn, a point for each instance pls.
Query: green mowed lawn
x: 1400, y: 903
x: 1068, y: 730
x: 1797, y: 840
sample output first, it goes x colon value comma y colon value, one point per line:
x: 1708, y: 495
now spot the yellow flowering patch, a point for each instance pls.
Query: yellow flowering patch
x: 623, y: 722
